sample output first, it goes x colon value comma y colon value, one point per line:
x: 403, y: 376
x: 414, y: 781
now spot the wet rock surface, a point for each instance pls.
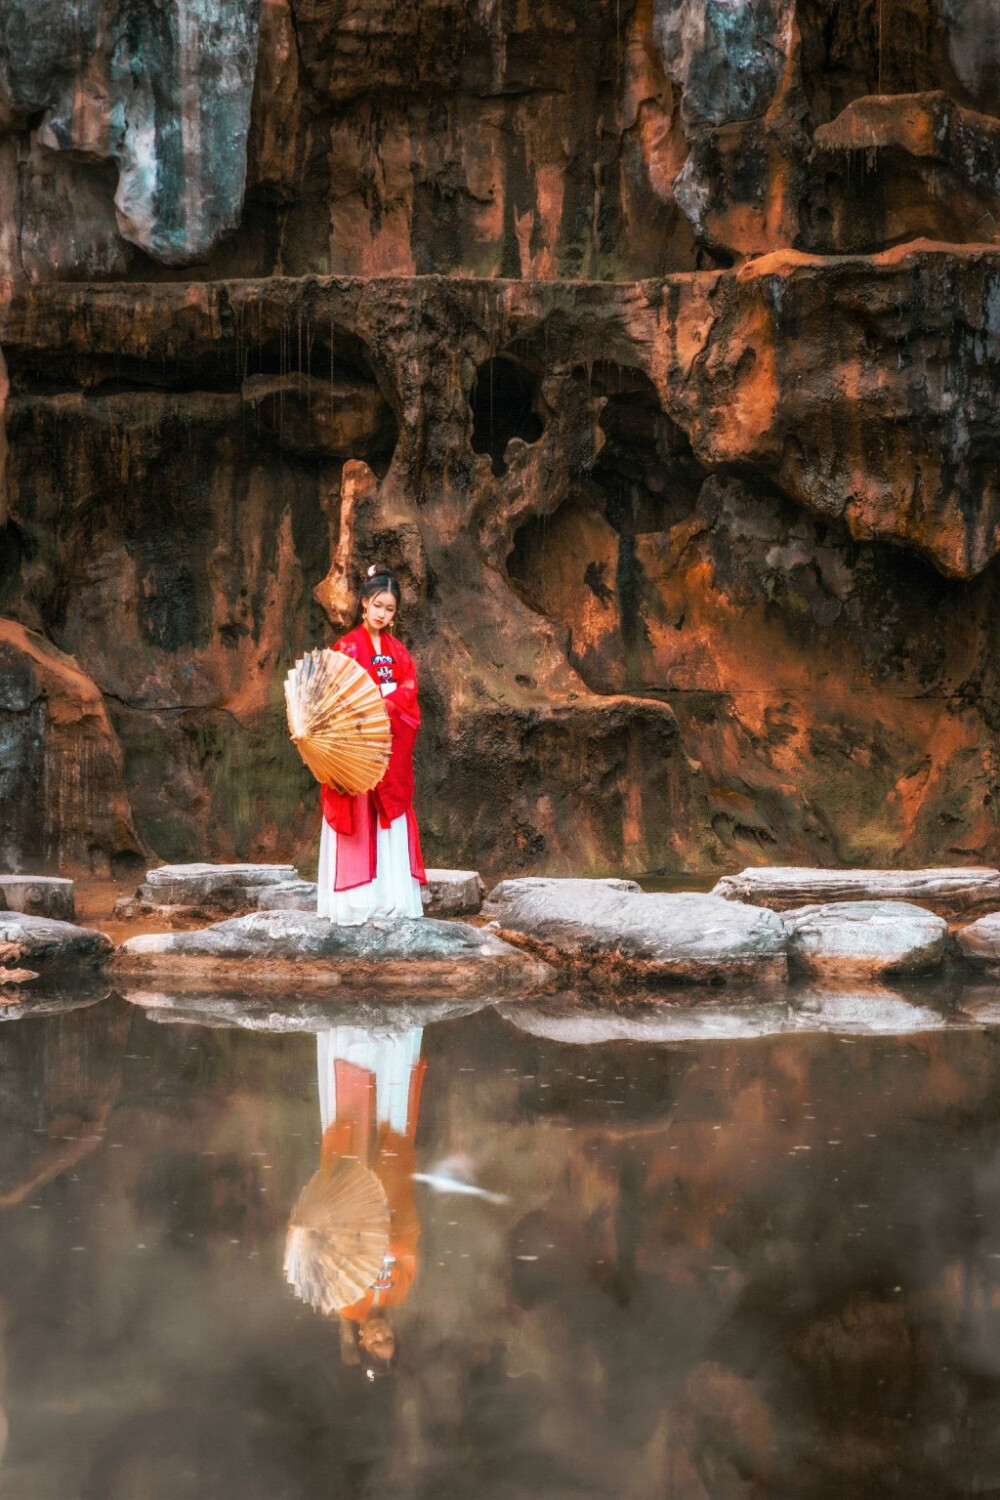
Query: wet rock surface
x: 703, y: 350
x: 858, y: 939
x: 951, y: 891
x: 63, y: 799
x: 42, y: 944
x: 612, y: 928
x: 295, y: 951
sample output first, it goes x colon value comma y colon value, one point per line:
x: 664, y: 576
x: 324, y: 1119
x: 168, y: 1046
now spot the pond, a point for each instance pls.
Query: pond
x: 627, y: 1261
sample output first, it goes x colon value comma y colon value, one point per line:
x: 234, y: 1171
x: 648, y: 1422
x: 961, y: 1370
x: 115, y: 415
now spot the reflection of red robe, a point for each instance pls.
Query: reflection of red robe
x: 393, y: 1159
x: 357, y: 819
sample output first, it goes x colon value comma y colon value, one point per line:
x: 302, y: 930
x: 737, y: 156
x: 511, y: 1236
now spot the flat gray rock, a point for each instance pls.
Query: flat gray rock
x: 452, y: 893
x: 980, y: 942
x: 38, y: 896
x: 614, y: 930
x: 951, y: 890
x: 297, y: 950
x: 864, y: 938
x: 288, y: 895
x: 193, y: 885
x: 43, y: 944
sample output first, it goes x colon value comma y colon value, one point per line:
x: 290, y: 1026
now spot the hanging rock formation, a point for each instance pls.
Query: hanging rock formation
x: 654, y: 343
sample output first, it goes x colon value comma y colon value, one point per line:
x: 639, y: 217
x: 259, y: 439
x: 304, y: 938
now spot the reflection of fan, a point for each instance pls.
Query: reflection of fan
x: 337, y: 1237
x: 337, y: 721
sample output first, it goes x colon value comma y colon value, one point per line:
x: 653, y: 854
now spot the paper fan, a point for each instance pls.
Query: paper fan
x: 337, y: 721
x: 337, y: 1237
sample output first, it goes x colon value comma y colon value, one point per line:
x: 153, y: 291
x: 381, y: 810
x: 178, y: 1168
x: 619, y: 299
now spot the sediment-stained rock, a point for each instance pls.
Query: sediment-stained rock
x: 160, y: 94
x: 608, y: 930
x: 62, y: 792
x: 300, y: 952
x: 953, y: 891
x: 46, y: 946
x: 857, y: 939
x: 593, y: 637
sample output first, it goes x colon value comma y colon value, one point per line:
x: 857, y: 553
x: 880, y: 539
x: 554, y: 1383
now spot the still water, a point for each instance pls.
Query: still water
x: 732, y: 1266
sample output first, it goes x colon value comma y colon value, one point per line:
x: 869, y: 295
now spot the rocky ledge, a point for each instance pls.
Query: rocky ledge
x: 951, y: 891
x: 295, y: 950
x: 613, y: 931
x: 31, y: 945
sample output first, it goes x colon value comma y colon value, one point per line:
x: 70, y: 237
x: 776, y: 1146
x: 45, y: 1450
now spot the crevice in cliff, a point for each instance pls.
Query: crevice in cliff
x: 505, y: 402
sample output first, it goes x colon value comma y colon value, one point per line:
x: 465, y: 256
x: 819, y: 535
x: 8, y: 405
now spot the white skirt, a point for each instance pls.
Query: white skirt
x: 393, y: 893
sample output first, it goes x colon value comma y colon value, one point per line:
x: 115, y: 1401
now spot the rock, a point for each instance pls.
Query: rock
x: 45, y: 945
x: 39, y: 895
x: 159, y: 98
x: 62, y: 791
x: 951, y: 891
x: 452, y: 893
x: 611, y: 928
x: 980, y: 941
x: 223, y: 887
x: 288, y: 895
x: 295, y: 951
x: 854, y: 938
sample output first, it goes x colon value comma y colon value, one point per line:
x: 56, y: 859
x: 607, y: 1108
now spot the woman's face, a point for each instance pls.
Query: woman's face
x: 380, y: 610
x: 378, y: 1338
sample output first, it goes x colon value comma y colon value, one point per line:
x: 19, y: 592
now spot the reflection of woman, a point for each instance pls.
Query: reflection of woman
x: 369, y: 1095
x: 370, y: 863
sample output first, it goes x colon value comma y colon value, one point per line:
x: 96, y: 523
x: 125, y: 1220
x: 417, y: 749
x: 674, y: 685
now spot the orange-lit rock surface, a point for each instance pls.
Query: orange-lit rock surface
x: 699, y: 567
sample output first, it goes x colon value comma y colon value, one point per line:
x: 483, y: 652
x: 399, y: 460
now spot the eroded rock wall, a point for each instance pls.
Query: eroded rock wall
x: 699, y: 567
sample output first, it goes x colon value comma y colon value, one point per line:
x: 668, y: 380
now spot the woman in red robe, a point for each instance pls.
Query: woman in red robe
x: 370, y: 864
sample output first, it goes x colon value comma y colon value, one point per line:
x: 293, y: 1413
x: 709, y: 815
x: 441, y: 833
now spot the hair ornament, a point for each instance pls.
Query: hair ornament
x: 372, y: 571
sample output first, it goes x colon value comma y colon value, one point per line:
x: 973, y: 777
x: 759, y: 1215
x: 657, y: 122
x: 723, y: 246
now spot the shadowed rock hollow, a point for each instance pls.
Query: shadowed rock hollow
x: 655, y: 345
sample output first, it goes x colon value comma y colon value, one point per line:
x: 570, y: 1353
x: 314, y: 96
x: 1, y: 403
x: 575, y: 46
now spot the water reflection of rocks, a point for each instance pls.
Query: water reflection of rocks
x: 738, y: 1267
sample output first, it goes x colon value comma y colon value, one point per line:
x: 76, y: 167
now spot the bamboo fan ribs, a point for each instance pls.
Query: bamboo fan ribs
x: 338, y: 721
x: 338, y: 1236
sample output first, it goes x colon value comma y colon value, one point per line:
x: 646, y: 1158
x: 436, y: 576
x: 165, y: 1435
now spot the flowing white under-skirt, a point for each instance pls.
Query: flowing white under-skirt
x: 389, y: 1056
x: 393, y: 893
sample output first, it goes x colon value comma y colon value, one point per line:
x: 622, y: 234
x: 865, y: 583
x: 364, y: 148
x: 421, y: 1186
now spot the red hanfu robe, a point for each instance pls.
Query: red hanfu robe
x: 357, y: 819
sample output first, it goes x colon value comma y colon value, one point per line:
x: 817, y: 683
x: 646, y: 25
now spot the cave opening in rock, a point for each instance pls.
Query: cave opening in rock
x: 505, y: 398
x: 646, y: 470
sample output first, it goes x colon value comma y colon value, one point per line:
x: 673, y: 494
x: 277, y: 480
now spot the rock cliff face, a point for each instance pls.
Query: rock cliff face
x: 655, y: 343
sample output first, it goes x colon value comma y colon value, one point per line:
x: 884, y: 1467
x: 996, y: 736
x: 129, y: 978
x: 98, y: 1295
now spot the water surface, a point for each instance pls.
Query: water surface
x: 712, y: 1265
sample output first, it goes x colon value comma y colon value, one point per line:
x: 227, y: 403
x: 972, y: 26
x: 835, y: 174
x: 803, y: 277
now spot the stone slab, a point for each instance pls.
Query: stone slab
x: 980, y: 942
x: 183, y: 893
x: 615, y: 931
x: 39, y: 895
x: 296, y: 950
x: 950, y: 890
x: 44, y: 944
x: 863, y: 939
x: 288, y: 895
x: 453, y: 893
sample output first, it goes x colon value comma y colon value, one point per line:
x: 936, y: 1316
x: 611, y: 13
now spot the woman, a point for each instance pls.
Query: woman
x: 370, y: 863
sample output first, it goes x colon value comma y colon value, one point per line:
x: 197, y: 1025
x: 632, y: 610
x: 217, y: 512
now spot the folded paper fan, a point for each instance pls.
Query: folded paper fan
x: 337, y: 721
x: 338, y: 1236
